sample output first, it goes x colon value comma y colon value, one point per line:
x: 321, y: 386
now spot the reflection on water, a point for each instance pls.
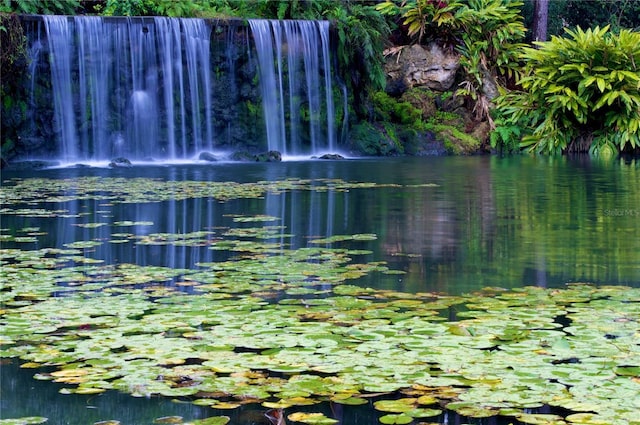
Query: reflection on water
x: 452, y: 224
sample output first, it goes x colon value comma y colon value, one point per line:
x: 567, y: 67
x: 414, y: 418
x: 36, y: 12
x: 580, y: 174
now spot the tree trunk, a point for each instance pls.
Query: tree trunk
x: 540, y: 17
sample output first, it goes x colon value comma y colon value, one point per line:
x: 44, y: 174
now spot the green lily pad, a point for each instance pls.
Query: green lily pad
x: 395, y: 406
x: 311, y: 418
x: 30, y: 420
x: 396, y: 419
x: 540, y: 419
x: 214, y: 420
x: 168, y: 420
x: 128, y: 223
x: 472, y: 410
x: 587, y: 419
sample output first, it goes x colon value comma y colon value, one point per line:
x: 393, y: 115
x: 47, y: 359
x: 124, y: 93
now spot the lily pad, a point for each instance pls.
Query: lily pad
x: 396, y: 419
x: 214, y: 420
x: 30, y: 420
x: 311, y: 418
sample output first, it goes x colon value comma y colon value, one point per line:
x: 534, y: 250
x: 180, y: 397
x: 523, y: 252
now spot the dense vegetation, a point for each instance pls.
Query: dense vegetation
x: 580, y: 92
x: 561, y: 96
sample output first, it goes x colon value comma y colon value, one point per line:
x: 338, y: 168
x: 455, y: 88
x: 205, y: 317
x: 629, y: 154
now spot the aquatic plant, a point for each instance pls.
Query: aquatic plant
x: 288, y: 328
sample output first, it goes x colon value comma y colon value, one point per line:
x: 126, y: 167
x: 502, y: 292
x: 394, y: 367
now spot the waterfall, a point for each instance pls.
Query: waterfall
x: 168, y: 88
x: 301, y: 77
x: 59, y: 36
x: 135, y: 87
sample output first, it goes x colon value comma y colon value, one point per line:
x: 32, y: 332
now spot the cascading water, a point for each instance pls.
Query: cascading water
x: 301, y: 77
x: 142, y: 87
x: 59, y: 36
x: 169, y: 88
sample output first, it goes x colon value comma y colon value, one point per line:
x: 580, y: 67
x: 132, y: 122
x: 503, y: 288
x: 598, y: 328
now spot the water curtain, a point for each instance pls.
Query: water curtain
x: 148, y: 87
x: 295, y: 74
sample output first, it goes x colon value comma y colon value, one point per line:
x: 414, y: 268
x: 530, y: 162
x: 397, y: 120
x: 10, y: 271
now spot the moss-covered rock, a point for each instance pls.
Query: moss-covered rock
x: 243, y: 156
x: 455, y: 141
x: 421, y: 99
x: 390, y: 109
x: 373, y: 140
x: 387, y: 139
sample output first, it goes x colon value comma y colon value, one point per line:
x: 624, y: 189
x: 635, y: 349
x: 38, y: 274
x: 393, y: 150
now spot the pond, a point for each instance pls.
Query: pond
x: 174, y: 290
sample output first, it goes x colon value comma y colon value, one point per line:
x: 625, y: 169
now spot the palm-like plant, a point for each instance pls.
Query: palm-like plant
x: 580, y: 92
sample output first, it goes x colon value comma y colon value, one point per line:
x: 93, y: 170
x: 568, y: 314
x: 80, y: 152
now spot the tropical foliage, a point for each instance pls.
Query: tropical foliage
x: 423, y: 20
x: 491, y: 34
x: 31, y: 7
x: 487, y: 34
x: 580, y: 92
x: 617, y: 13
x: 153, y: 7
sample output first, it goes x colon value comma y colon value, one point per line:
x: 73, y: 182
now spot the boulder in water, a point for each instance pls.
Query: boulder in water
x: 331, y: 156
x: 30, y: 165
x: 120, y: 162
x: 270, y: 156
x: 242, y: 156
x: 207, y: 156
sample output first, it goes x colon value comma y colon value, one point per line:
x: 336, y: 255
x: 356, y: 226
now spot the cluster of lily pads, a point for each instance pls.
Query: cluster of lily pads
x: 286, y: 328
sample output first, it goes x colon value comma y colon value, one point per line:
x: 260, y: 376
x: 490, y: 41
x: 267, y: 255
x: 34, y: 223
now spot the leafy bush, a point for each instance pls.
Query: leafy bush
x: 487, y: 34
x: 173, y: 8
x: 424, y: 20
x: 39, y: 7
x: 361, y: 32
x: 580, y: 92
x: 491, y: 36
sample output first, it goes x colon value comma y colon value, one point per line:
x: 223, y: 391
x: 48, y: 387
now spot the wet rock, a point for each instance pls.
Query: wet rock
x: 331, y: 156
x: 242, y: 156
x: 207, y: 156
x: 120, y: 162
x: 482, y: 132
x: 270, y: 156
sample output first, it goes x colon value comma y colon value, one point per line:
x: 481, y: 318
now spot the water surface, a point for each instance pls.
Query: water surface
x: 453, y: 225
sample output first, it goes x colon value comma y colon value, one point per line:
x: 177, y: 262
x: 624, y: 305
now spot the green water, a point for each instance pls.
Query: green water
x: 453, y: 225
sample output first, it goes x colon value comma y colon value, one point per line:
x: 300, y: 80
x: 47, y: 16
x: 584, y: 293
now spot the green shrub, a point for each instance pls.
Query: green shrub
x: 40, y: 7
x: 424, y: 20
x: 580, y: 92
x: 491, y: 37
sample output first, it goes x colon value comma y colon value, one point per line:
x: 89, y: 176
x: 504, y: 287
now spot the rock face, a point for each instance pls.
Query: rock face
x: 421, y: 66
